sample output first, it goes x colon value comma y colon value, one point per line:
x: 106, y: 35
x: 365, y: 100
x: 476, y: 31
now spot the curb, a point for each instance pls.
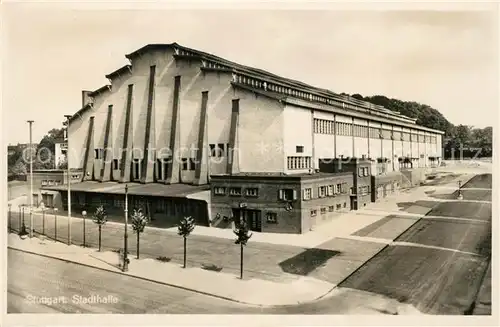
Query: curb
x: 382, y: 249
x: 141, y: 278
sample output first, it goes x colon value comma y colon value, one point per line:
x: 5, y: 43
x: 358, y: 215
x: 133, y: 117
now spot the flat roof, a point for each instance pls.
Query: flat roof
x: 297, y: 176
x: 151, y: 189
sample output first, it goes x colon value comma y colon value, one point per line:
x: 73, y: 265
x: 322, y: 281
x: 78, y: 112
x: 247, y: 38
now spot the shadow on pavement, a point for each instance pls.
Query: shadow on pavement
x: 307, y: 261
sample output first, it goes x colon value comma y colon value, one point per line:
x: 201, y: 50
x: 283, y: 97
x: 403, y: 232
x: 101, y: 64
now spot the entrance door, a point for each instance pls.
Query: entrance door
x: 354, y: 203
x: 252, y: 217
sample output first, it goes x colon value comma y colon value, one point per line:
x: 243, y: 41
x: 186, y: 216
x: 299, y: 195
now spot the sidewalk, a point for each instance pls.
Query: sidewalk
x: 276, y: 273
x: 221, y: 285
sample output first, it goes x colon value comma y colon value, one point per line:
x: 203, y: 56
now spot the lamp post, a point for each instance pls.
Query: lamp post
x: 22, y: 231
x: 84, y: 214
x: 55, y: 224
x: 460, y: 196
x: 43, y: 218
x: 9, y: 222
x: 30, y: 122
x: 125, y: 245
x: 19, y: 225
x: 69, y: 178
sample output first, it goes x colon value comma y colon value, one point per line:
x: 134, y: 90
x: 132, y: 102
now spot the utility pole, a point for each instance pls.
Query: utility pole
x: 30, y: 122
x: 68, y: 177
x: 125, y: 246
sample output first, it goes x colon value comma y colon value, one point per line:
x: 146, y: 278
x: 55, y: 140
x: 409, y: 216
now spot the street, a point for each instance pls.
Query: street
x: 437, y: 266
x: 443, y: 275
x: 32, y: 277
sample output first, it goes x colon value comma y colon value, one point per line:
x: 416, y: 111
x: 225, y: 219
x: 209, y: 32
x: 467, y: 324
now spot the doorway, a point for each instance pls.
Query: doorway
x: 252, y: 217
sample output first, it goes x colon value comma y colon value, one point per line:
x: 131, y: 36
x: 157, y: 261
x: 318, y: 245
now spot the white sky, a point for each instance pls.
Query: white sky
x: 447, y: 60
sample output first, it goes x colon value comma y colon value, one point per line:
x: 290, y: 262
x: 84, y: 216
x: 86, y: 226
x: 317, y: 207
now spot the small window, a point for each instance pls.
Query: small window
x: 360, y: 172
x: 220, y: 150
x: 272, y: 217
x: 115, y: 163
x: 252, y: 191
x: 345, y: 205
x: 299, y: 149
x: 307, y: 194
x: 287, y: 195
x: 235, y: 191
x: 219, y: 190
x: 212, y: 150
x: 323, y: 211
x: 330, y: 190
x: 96, y: 151
x: 366, y: 172
x: 339, y: 189
x: 339, y: 206
x: 313, y: 213
x: 192, y: 164
x: 331, y: 208
x: 322, y: 191
x: 184, y: 164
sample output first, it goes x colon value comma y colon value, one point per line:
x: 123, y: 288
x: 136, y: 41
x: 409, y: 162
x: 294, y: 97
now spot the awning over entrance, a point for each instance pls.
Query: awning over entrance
x: 151, y: 189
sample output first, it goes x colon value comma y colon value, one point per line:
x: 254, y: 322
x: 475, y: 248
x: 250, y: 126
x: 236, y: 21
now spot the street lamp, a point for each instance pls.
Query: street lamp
x: 460, y: 196
x: 55, y: 224
x: 125, y: 246
x: 22, y: 231
x: 69, y: 178
x: 84, y: 214
x: 43, y: 218
x: 30, y: 122
x: 10, y: 223
x: 19, y: 225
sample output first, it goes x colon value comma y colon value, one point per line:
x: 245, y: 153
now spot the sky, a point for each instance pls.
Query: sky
x: 446, y: 59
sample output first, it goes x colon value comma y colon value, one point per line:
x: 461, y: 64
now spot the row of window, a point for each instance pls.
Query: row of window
x: 323, y: 126
x: 363, y: 171
x: 236, y: 191
x: 324, y: 191
x: 296, y: 163
x: 332, y: 208
x: 50, y: 182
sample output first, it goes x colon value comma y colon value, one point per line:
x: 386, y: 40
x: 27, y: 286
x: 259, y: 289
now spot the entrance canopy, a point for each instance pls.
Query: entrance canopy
x: 152, y: 189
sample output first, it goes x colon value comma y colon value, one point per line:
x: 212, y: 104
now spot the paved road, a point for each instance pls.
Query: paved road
x: 444, y: 275
x: 34, y: 279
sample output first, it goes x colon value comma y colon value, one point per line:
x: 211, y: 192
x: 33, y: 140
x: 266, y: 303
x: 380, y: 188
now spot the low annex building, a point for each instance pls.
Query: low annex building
x: 178, y: 116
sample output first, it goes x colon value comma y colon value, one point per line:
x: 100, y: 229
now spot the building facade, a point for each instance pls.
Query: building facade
x: 175, y: 115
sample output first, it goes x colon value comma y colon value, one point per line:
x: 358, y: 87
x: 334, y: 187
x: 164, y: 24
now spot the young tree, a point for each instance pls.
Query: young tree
x: 139, y: 221
x: 100, y: 218
x: 185, y: 227
x: 243, y: 235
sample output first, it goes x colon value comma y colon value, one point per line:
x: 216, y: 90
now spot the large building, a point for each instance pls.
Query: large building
x: 180, y: 116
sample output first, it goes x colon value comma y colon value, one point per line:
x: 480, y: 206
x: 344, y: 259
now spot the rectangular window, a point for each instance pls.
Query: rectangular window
x: 235, y: 191
x: 220, y: 150
x: 338, y: 189
x: 322, y: 191
x: 185, y: 165
x: 307, y: 194
x: 331, y: 208
x: 345, y: 205
x: 272, y: 217
x: 192, y: 164
x: 313, y: 213
x: 366, y: 172
x: 252, y: 192
x: 323, y: 211
x: 115, y: 164
x: 295, y: 163
x: 360, y: 172
x: 339, y: 206
x: 330, y: 190
x: 287, y: 195
x: 299, y: 149
x: 219, y: 190
x: 213, y: 153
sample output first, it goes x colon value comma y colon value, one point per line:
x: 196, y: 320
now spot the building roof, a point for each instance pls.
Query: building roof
x: 268, y: 84
x: 120, y: 71
x: 151, y: 189
x: 100, y: 90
